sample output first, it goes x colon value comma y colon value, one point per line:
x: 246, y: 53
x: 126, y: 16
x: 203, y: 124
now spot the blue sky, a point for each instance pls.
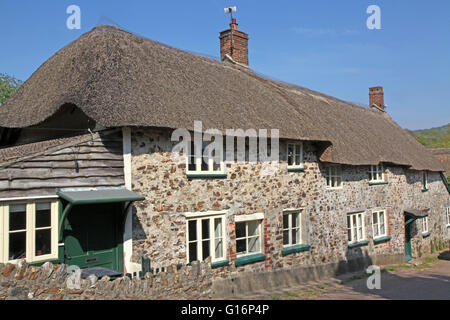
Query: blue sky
x: 323, y: 45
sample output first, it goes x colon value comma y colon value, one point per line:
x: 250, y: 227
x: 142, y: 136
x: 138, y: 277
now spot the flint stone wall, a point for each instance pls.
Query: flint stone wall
x: 51, y: 282
x: 159, y: 224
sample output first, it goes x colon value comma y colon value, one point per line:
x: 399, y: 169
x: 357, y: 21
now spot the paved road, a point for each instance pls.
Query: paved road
x: 404, y: 284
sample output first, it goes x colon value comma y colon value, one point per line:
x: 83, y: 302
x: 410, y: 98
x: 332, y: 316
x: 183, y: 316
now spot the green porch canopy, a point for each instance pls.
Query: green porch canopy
x: 95, y: 197
x: 99, y: 196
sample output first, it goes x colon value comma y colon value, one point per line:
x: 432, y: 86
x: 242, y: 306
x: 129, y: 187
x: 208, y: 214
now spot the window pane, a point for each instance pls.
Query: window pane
x: 17, y: 217
x: 17, y: 245
x: 219, y: 249
x: 192, y: 230
x: 191, y: 164
x: 290, y: 155
x: 375, y: 217
x: 286, y: 237
x: 297, y: 155
x: 204, y: 166
x: 218, y: 227
x: 191, y: 158
x: 295, y: 220
x: 382, y: 229
x: 205, y: 248
x: 253, y: 228
x: 253, y: 244
x: 349, y: 233
x: 240, y: 229
x: 349, y: 225
x: 192, y: 251
x: 43, y: 216
x: 43, y: 242
x: 241, y: 246
x: 338, y: 181
x: 205, y: 229
x: 295, y: 235
x: 285, y: 221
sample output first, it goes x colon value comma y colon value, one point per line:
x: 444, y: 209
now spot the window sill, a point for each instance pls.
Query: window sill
x: 381, y: 239
x: 426, y: 234
x: 250, y: 259
x: 334, y: 188
x: 295, y: 249
x: 220, y: 264
x: 296, y: 169
x: 377, y: 183
x: 206, y: 175
x: 358, y: 244
x: 425, y: 190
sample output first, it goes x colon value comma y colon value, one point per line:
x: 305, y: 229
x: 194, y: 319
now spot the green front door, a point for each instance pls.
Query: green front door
x: 408, y: 251
x: 92, y: 237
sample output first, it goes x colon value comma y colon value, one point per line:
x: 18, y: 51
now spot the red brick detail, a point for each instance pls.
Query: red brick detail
x: 376, y: 96
x: 240, y: 44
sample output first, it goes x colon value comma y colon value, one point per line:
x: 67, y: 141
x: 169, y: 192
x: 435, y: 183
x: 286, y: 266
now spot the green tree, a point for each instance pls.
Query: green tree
x: 8, y: 86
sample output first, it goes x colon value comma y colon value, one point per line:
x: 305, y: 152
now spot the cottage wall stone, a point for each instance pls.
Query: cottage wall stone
x: 159, y: 224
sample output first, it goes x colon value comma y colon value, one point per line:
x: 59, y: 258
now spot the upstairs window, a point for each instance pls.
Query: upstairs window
x: 377, y: 174
x: 334, y: 177
x: 295, y: 156
x: 355, y: 227
x: 28, y: 230
x: 379, y: 224
x: 204, y: 165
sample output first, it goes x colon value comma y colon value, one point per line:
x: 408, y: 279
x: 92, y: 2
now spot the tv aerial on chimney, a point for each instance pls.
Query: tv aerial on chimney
x: 230, y: 10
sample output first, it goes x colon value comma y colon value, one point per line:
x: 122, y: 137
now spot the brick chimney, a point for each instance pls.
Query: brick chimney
x: 376, y: 97
x: 234, y: 43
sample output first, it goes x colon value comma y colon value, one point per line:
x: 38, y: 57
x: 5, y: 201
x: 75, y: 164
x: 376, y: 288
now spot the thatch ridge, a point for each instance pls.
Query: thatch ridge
x: 120, y: 79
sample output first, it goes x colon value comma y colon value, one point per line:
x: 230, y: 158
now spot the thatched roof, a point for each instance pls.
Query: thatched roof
x: 443, y: 154
x: 120, y: 79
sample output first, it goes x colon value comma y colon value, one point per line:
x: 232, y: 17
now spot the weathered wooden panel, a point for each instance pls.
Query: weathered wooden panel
x: 48, y: 173
x: 25, y: 184
x: 69, y: 165
x: 98, y: 163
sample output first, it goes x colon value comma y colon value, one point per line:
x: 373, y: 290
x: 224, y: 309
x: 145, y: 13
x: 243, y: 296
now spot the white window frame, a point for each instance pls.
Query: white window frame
x: 211, y: 216
x: 30, y: 251
x: 425, y: 180
x: 360, y: 229
x: 337, y: 175
x: 377, y: 226
x: 447, y: 214
x: 198, y: 163
x: 259, y: 217
x: 375, y: 171
x: 295, y: 146
x: 425, y: 225
x: 291, y: 213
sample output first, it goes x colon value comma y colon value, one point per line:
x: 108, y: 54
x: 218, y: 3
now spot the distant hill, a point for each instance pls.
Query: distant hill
x: 433, y: 138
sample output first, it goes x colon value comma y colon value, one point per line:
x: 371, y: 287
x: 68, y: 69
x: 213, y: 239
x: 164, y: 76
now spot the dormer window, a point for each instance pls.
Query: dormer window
x: 334, y: 176
x: 377, y: 175
x: 204, y: 165
x: 295, y: 156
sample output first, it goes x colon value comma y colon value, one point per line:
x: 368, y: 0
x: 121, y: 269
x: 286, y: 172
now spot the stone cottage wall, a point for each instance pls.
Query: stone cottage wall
x: 159, y: 224
x: 52, y: 282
